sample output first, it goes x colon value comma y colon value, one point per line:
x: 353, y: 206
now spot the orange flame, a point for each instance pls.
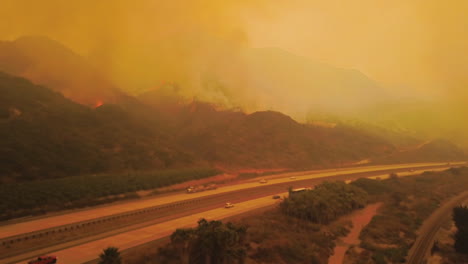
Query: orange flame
x: 98, y: 103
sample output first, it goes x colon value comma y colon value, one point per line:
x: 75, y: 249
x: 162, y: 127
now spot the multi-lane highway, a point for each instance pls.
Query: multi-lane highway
x: 79, y: 236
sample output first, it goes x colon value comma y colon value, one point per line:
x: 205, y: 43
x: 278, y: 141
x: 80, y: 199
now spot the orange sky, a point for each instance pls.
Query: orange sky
x: 417, y: 44
x: 406, y: 44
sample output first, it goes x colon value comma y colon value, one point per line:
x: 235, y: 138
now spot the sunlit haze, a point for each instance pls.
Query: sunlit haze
x: 415, y: 46
x: 233, y: 131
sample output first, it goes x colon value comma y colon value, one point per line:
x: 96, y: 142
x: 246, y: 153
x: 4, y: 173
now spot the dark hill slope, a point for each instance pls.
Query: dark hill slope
x: 46, y: 135
x: 261, y: 139
x: 271, y: 139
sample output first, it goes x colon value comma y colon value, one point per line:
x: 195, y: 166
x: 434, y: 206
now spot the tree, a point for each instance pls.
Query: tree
x: 110, y: 255
x: 180, y: 239
x: 393, y: 176
x: 460, y: 217
x: 211, y: 242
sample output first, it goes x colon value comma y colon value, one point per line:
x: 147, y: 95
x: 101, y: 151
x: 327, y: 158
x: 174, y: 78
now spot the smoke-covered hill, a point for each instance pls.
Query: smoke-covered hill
x: 48, y: 62
x: 46, y: 135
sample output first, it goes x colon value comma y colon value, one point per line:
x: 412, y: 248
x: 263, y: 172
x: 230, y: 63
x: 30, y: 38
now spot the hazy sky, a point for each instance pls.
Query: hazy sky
x: 417, y: 44
x: 405, y: 44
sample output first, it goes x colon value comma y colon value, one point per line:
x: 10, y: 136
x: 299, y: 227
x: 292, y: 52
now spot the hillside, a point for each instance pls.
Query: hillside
x: 45, y: 135
x: 49, y: 63
x: 273, y: 78
x: 272, y: 139
x: 313, y: 88
x: 434, y: 150
x: 310, y: 84
x: 404, y: 121
x: 424, y: 119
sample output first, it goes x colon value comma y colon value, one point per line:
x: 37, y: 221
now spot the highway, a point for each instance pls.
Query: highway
x: 423, y: 244
x: 157, y: 217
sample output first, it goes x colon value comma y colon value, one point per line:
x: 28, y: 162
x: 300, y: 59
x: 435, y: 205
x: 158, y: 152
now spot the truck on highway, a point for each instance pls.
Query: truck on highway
x: 44, y: 260
x: 201, y: 188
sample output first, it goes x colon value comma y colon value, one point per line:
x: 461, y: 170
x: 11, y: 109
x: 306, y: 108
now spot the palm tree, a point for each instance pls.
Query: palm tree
x: 110, y: 255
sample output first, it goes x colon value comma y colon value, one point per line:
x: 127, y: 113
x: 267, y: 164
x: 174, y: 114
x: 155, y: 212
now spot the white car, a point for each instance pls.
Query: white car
x: 229, y: 205
x: 292, y: 178
x: 263, y: 181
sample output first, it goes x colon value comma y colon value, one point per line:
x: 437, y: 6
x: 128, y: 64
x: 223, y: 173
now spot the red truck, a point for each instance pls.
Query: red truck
x: 44, y: 260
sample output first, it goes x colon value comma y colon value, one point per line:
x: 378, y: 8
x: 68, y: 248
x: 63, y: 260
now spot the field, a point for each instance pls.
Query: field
x: 38, y: 197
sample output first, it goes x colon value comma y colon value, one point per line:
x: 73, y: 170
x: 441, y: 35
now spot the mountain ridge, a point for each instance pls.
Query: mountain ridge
x: 47, y: 62
x: 159, y: 129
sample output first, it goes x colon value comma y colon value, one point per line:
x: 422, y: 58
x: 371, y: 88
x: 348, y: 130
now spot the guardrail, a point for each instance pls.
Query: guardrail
x: 78, y: 225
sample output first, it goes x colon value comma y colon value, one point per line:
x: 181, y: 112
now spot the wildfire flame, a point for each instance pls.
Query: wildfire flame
x: 98, y: 103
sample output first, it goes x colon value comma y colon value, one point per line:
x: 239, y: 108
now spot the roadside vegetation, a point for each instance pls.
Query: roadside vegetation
x: 37, y: 197
x: 110, y: 255
x: 451, y: 243
x: 407, y: 202
x: 325, y: 203
x: 209, y: 242
x: 275, y: 237
x: 460, y: 217
x: 305, y: 226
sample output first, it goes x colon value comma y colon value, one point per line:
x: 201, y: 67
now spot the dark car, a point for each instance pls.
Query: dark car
x: 44, y: 260
x: 276, y: 196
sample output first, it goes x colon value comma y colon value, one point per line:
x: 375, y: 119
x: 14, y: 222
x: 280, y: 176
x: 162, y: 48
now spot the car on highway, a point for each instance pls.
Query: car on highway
x: 276, y: 197
x: 229, y: 205
x: 263, y: 181
x: 44, y: 260
x: 292, y: 178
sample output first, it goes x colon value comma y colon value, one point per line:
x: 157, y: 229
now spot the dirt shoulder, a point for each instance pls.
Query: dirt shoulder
x: 359, y: 220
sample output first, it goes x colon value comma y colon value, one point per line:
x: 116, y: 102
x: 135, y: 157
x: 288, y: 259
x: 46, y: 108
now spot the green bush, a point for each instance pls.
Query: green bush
x: 325, y: 203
